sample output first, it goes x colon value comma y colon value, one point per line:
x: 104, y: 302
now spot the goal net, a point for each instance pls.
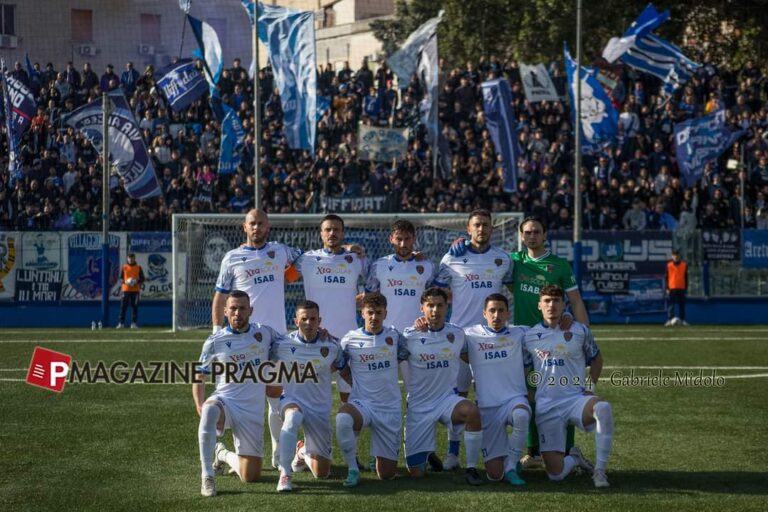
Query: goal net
x: 201, y: 240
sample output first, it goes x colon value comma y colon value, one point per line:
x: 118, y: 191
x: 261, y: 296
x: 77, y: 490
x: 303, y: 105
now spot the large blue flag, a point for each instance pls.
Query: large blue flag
x: 126, y: 147
x: 428, y: 72
x: 405, y: 61
x: 599, y: 119
x: 700, y: 141
x: 290, y: 38
x: 643, y: 50
x: 18, y: 108
x: 501, y: 124
x: 232, y: 141
x: 182, y: 84
x: 210, y: 50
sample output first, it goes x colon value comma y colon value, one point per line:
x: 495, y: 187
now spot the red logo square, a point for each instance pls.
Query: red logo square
x: 48, y: 369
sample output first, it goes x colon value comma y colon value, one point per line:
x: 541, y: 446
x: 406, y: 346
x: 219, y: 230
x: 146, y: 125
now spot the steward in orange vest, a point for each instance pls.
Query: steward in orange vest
x: 132, y: 277
x: 677, y: 287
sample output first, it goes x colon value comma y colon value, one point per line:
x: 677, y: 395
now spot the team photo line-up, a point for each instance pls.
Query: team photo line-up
x: 537, y: 376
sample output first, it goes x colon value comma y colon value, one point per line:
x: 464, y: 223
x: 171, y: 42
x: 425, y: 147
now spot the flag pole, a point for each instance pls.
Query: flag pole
x: 577, y: 157
x: 106, y: 110
x: 256, y: 109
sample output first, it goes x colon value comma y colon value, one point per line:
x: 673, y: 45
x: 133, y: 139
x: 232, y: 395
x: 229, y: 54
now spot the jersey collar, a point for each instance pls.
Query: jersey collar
x: 251, y: 248
x: 546, y: 254
x: 327, y: 251
x: 301, y: 338
x: 490, y: 329
x: 436, y: 330
x: 394, y: 257
x: 474, y: 251
x: 372, y: 333
x: 232, y: 331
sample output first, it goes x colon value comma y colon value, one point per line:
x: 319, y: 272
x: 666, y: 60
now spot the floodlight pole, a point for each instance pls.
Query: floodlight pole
x: 577, y: 157
x: 256, y: 109
x: 105, y: 267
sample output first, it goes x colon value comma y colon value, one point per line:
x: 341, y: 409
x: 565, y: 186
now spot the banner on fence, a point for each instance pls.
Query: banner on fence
x: 38, y: 285
x: 754, y: 253
x: 382, y: 144
x: 721, y: 244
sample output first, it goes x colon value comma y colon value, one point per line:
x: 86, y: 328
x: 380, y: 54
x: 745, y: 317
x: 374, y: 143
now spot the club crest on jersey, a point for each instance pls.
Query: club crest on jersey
x: 293, y: 350
x: 423, y: 340
x: 465, y: 260
x: 390, y: 268
x: 498, y: 262
x: 567, y: 335
x: 324, y: 351
x: 243, y: 258
x: 550, y: 268
x: 451, y: 337
x: 419, y: 269
x: 348, y: 259
x: 258, y: 337
x: 271, y: 254
x: 389, y: 340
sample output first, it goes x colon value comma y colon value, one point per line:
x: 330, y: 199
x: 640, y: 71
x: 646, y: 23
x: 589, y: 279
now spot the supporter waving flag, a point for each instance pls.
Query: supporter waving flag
x: 18, y: 108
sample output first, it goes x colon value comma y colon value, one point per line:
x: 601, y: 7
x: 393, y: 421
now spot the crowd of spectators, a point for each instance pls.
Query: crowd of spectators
x: 633, y: 184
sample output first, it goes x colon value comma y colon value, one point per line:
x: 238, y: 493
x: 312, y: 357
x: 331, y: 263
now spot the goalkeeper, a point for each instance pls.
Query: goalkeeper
x: 132, y: 276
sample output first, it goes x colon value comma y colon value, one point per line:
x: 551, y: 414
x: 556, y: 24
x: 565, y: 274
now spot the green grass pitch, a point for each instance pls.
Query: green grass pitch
x: 134, y: 447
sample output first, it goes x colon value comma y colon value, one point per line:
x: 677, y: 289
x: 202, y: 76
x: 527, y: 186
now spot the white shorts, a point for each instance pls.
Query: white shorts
x: 247, y: 427
x: 342, y: 386
x: 420, y: 425
x: 316, y: 425
x: 552, y: 424
x: 385, y: 429
x: 464, y: 380
x: 494, y: 421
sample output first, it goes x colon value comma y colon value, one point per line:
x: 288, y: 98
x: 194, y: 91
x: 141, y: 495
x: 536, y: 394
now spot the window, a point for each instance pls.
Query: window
x: 150, y: 29
x: 8, y: 21
x: 82, y: 25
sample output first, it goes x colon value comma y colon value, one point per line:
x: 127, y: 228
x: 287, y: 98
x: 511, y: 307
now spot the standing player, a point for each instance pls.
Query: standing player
x: 372, y: 354
x: 533, y: 268
x: 562, y: 392
x: 307, y: 405
x: 495, y: 352
x: 433, y: 358
x: 238, y: 406
x: 330, y: 278
x: 478, y: 272
x: 258, y: 268
x: 401, y: 277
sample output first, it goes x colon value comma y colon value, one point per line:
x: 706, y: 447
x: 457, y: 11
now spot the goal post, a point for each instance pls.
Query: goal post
x: 201, y: 240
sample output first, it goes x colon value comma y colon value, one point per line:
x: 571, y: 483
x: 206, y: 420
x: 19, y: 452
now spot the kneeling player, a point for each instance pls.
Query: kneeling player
x: 496, y: 354
x: 433, y: 361
x: 235, y: 405
x: 308, y: 405
x: 372, y: 354
x: 562, y: 398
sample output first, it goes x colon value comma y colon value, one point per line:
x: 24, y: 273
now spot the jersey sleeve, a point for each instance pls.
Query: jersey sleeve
x: 299, y: 263
x: 224, y: 281
x: 340, y: 362
x: 292, y: 253
x: 207, y: 356
x: 432, y: 275
x: 402, y: 348
x: 443, y: 277
x: 508, y: 277
x: 567, y: 280
x: 590, y: 346
x: 372, y: 283
x: 274, y: 349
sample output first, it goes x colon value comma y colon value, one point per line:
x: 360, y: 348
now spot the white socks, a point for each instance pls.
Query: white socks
x: 206, y: 436
x: 568, y: 464
x: 289, y: 434
x: 519, y: 418
x: 345, y: 437
x: 233, y: 460
x: 473, y: 443
x: 603, y: 414
x: 275, y: 423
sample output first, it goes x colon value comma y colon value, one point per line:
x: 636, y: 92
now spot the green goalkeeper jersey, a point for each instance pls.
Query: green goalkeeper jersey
x: 530, y: 275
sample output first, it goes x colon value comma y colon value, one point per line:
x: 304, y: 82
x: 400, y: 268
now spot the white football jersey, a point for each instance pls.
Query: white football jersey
x: 402, y: 283
x: 433, y: 361
x: 373, y: 359
x: 472, y: 277
x: 331, y: 281
x: 324, y: 354
x: 559, y: 358
x: 497, y: 360
x: 249, y: 347
x: 261, y: 274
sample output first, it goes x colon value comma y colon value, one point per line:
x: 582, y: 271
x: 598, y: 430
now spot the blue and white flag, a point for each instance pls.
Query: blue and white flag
x: 185, y: 5
x: 14, y: 166
x: 290, y: 38
x: 404, y: 61
x: 700, y: 141
x: 182, y: 84
x: 232, y: 141
x: 428, y: 74
x: 23, y: 105
x: 641, y: 49
x: 126, y: 147
x: 501, y: 124
x: 599, y: 119
x: 323, y: 106
x: 210, y: 50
